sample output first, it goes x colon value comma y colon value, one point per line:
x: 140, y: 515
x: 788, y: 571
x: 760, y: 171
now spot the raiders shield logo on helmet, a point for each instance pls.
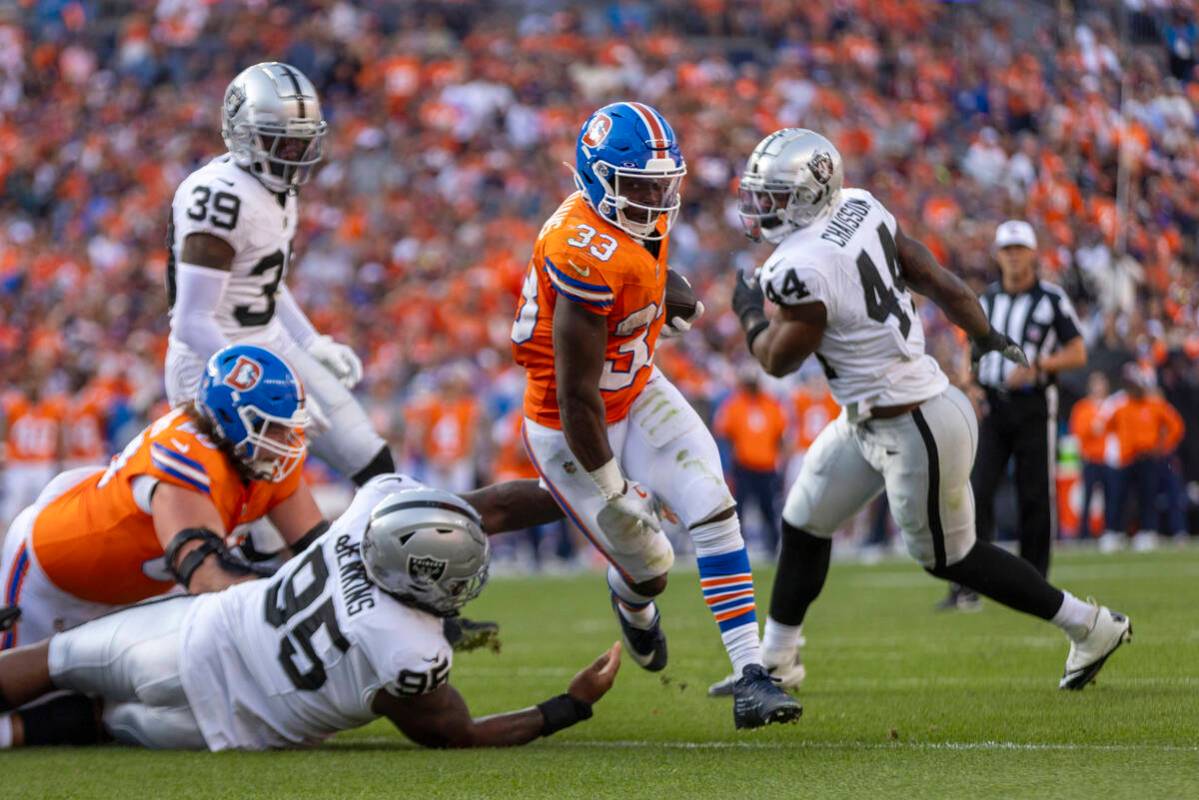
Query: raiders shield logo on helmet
x: 426, y: 567
x: 597, y: 130
x: 821, y: 165
x: 234, y: 99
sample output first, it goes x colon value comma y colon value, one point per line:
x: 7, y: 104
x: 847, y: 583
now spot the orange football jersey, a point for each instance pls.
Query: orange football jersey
x: 98, y: 543
x: 585, y: 259
x: 814, y: 409
x: 33, y: 429
x: 84, y: 425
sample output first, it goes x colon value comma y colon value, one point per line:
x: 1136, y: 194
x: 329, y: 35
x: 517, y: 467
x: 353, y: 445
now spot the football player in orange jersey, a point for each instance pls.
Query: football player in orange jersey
x: 159, y: 515
x: 613, y: 440
x: 31, y: 428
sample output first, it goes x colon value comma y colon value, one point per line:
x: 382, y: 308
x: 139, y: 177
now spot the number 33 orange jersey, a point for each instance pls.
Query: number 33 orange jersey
x: 584, y: 259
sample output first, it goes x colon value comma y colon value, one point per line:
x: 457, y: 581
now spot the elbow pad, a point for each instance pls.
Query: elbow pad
x: 210, y: 544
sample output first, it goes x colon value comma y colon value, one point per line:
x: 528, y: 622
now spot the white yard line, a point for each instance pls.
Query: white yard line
x: 990, y: 746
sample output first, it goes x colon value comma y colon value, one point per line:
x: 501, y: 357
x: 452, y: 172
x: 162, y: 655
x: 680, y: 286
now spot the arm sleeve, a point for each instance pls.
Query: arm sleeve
x: 580, y: 280
x: 294, y: 319
x: 197, y: 298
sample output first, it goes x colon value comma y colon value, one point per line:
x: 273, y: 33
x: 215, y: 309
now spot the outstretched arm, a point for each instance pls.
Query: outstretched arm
x: 513, y: 506
x: 925, y: 276
x: 441, y: 718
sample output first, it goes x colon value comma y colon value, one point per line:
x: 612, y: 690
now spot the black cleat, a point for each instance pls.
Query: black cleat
x: 758, y: 701
x: 465, y: 634
x: 647, y: 646
x: 8, y: 617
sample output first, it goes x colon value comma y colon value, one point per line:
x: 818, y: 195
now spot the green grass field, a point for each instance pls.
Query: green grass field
x: 900, y: 701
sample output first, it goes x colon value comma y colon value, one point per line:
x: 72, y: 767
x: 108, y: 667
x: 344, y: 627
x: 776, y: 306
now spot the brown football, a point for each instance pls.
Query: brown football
x: 680, y: 297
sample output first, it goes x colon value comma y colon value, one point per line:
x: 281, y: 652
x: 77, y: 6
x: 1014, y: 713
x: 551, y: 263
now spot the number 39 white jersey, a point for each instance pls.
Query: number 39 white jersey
x: 290, y: 660
x: 224, y: 200
x: 873, y: 346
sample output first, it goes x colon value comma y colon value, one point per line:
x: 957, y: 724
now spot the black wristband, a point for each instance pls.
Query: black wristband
x: 753, y: 332
x: 305, y: 541
x: 562, y: 712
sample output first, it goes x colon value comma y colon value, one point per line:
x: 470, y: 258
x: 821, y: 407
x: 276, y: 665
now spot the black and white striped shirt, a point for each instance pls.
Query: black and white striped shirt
x: 1040, y: 320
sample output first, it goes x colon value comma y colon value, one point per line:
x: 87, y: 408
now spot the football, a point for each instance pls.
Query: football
x: 680, y: 297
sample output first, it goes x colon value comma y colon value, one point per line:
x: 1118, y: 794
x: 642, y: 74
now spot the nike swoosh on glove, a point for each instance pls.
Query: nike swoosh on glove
x: 628, y: 519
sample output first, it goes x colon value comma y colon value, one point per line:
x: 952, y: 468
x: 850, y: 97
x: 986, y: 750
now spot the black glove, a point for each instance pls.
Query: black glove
x: 995, y: 340
x: 749, y: 304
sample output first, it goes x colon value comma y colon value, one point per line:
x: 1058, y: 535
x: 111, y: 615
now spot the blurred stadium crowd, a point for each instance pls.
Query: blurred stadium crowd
x: 449, y: 125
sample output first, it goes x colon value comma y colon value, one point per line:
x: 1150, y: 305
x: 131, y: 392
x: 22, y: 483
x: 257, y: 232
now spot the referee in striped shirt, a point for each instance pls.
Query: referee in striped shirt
x: 1021, y: 415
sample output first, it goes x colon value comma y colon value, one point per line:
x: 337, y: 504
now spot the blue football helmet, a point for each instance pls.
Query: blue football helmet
x: 628, y: 164
x: 256, y: 404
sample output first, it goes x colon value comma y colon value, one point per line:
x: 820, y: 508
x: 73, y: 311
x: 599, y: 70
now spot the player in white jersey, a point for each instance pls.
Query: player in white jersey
x: 230, y: 245
x: 346, y: 633
x: 840, y: 277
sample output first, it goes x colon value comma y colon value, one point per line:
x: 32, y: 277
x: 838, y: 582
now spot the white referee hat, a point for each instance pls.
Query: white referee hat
x: 1015, y: 232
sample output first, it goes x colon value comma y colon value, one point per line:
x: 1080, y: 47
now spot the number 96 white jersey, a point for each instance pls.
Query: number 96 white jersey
x: 873, y: 346
x: 290, y: 660
x: 225, y: 201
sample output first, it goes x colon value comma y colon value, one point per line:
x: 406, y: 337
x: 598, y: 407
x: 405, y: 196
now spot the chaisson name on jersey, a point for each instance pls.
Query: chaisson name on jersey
x: 356, y: 588
x: 846, y: 221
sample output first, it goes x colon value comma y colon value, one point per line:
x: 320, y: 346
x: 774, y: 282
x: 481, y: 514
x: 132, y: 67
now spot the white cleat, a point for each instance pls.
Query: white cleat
x: 788, y: 677
x: 1087, y: 655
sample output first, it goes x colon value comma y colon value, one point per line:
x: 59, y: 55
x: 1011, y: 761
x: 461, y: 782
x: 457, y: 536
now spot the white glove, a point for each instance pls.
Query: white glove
x: 339, y: 359
x: 630, y: 513
x: 678, y: 326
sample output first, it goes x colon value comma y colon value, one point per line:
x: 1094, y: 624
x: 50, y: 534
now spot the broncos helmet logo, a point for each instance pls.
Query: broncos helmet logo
x: 598, y: 130
x: 245, y: 375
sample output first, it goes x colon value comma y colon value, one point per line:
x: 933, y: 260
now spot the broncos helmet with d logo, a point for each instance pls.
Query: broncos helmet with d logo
x: 256, y: 404
x: 628, y: 164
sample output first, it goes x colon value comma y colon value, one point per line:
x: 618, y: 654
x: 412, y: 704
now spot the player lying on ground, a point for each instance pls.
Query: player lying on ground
x: 230, y: 245
x: 349, y: 632
x: 610, y: 436
x: 160, y: 514
x: 840, y: 278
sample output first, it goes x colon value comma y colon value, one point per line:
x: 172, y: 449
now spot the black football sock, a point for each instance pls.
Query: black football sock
x: 69, y: 720
x: 1005, y: 578
x: 803, y: 566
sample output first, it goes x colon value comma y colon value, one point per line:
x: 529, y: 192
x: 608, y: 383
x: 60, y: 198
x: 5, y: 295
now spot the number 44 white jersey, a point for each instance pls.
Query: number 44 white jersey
x: 873, y: 346
x: 226, y: 201
x: 291, y: 660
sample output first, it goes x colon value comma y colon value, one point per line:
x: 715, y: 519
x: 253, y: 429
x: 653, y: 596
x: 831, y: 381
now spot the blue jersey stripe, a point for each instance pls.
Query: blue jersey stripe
x: 191, y: 462
x: 578, y: 284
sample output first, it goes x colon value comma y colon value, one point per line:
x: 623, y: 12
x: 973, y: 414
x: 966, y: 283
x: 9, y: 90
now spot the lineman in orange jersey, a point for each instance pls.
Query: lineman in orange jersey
x: 159, y: 515
x: 612, y: 439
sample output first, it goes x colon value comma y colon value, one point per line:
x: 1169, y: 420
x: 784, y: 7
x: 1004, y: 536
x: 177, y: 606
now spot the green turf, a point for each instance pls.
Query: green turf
x: 900, y: 701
